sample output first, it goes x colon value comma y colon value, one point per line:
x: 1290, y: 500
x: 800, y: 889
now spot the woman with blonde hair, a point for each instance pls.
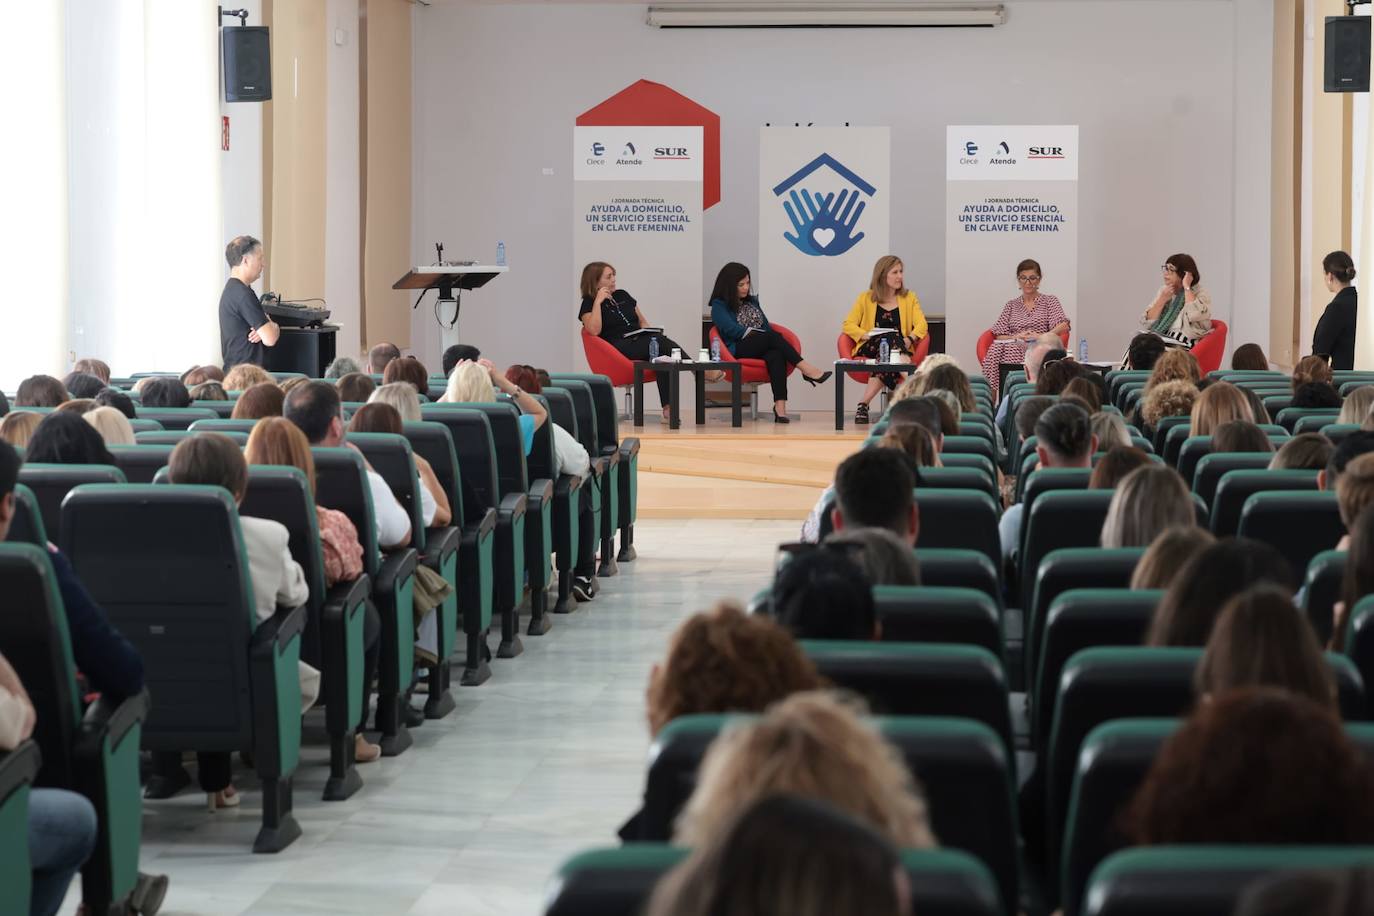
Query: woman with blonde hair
x: 1219, y: 403
x: 1167, y: 399
x: 1168, y: 553
x: 1355, y: 407
x: 887, y: 309
x: 814, y: 745
x: 476, y: 383
x: 112, y: 425
x: 1174, y: 366
x: 1149, y: 500
x: 400, y: 395
x: 245, y: 376
x: 17, y: 427
x: 1110, y: 430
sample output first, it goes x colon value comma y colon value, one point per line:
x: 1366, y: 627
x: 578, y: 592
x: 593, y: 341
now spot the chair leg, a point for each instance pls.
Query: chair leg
x: 565, y: 603
x: 539, y: 612
x: 510, y: 646
x: 607, y: 567
x: 476, y: 670
x: 627, y: 544
x: 343, y: 778
x: 279, y: 827
x: 440, y: 702
x: 395, y: 735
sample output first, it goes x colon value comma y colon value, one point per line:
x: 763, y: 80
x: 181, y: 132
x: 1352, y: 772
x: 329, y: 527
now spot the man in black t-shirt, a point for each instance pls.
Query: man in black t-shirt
x: 244, y: 329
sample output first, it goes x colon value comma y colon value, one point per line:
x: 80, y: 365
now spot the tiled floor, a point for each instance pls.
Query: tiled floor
x: 545, y: 759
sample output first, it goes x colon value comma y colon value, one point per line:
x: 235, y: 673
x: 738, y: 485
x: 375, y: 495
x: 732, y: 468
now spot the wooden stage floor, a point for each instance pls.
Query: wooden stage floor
x: 763, y: 470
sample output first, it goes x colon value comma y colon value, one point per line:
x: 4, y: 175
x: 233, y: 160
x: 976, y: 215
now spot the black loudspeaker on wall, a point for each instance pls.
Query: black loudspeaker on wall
x: 1347, y: 54
x: 247, y: 64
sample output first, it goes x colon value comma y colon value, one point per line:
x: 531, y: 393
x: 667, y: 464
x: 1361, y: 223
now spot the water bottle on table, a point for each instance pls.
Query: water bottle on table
x: 884, y: 350
x: 715, y: 349
x: 500, y: 254
x: 1082, y: 349
x: 653, y: 349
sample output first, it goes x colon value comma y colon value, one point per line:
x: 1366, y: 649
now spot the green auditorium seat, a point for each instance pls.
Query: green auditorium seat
x: 51, y: 483
x: 1162, y: 430
x: 1212, y: 466
x: 1337, y: 432
x: 222, y: 425
x: 927, y: 613
x: 1322, y: 589
x: 1289, y: 417
x: 1072, y: 568
x: 968, y: 445
x: 1044, y: 480
x: 955, y: 478
x: 27, y: 525
x: 954, y: 568
x: 619, y: 882
x: 140, y: 463
x: 17, y: 771
x: 1059, y: 519
x: 981, y: 462
x: 243, y: 690
x: 964, y: 519
x: 1200, y: 880
x: 1237, y: 486
x: 1299, y: 524
x: 919, y: 679
x: 173, y: 436
x: 222, y: 409
x: 577, y: 513
x: 175, y: 417
x: 1359, y: 639
x: 605, y: 464
x: 962, y: 766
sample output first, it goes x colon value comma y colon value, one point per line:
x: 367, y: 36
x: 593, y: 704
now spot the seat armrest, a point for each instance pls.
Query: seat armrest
x: 281, y: 626
x: 600, y: 465
x: 19, y: 767
x: 568, y: 483
x: 513, y: 505
x: 629, y: 448
x: 611, y: 454
x: 348, y: 593
x: 115, y: 720
x: 439, y: 543
x: 395, y: 567
x: 541, y: 490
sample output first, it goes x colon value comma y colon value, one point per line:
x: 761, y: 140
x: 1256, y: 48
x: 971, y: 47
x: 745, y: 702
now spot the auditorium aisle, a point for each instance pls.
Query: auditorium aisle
x: 546, y: 759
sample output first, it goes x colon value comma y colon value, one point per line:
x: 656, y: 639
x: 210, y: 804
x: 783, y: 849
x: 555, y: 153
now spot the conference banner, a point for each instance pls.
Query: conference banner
x: 1011, y: 193
x: 823, y: 223
x: 637, y: 205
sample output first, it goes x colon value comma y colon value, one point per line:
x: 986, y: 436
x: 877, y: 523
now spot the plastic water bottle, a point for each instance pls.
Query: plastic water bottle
x: 1082, y: 349
x: 500, y: 254
x: 884, y: 349
x: 715, y: 349
x: 653, y: 349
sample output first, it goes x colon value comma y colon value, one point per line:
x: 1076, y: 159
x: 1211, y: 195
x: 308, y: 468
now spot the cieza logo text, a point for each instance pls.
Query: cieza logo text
x: 824, y: 224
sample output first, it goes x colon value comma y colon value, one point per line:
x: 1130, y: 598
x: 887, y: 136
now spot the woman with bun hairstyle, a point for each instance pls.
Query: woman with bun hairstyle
x: 1335, y: 334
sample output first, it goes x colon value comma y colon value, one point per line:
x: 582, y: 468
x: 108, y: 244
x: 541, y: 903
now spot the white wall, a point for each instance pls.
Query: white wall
x: 342, y: 205
x: 241, y: 166
x: 1169, y: 164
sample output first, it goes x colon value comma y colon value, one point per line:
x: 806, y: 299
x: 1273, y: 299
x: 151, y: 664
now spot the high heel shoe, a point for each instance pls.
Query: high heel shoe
x: 823, y: 377
x: 780, y: 418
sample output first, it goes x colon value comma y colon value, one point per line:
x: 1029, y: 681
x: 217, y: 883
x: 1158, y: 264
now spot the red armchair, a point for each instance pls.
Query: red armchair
x: 845, y: 347
x: 606, y: 360
x: 1208, y: 351
x: 754, y: 370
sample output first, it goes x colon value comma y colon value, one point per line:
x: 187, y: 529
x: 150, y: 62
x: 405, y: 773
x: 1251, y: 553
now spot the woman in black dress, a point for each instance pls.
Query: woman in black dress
x: 1335, y: 333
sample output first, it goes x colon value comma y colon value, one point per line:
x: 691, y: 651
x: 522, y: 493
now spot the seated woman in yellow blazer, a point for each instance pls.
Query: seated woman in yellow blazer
x: 885, y: 304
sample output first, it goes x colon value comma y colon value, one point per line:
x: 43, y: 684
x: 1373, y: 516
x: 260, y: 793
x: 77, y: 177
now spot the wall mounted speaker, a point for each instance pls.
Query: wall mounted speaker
x: 1347, y: 54
x: 248, y: 64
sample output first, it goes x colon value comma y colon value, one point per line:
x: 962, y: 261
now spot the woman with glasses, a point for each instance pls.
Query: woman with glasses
x: 1022, y: 320
x: 1181, y: 311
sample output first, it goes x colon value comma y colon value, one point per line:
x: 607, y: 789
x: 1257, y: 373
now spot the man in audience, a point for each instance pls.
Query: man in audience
x: 1144, y: 351
x: 380, y: 355
x: 1350, y: 448
x: 244, y: 328
x: 1035, y: 356
x: 315, y: 408
x: 1028, y: 415
x: 920, y: 411
x: 823, y: 594
x: 341, y: 366
x: 874, y: 488
x: 463, y: 352
x: 1064, y: 439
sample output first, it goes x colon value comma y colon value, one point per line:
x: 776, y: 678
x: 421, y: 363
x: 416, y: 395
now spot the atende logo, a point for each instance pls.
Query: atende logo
x: 824, y: 224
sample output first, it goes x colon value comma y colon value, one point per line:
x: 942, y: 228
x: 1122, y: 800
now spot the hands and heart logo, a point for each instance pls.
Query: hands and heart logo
x: 824, y: 224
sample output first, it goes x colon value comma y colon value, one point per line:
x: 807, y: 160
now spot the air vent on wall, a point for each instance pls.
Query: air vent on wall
x: 823, y: 15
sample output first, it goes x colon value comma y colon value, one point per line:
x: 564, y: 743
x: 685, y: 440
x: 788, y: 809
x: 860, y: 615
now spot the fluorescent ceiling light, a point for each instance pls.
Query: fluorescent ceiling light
x: 824, y: 15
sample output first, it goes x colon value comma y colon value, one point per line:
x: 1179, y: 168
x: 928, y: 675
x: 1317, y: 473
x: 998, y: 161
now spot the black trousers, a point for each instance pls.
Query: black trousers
x: 637, y: 347
x: 372, y: 651
x: 213, y: 768
x: 777, y: 354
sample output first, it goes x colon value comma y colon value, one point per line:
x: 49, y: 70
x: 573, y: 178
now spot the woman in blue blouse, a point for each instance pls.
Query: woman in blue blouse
x: 747, y: 334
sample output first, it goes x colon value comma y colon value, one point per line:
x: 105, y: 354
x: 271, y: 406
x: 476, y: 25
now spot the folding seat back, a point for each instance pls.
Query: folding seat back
x: 94, y: 753
x: 223, y: 425
x: 1288, y: 417
x: 930, y: 614
x: 962, y: 766
x: 1340, y: 377
x: 17, y: 771
x: 1322, y: 589
x: 1059, y: 519
x: 1237, y: 486
x: 1079, y: 619
x: 965, y: 519
x: 1201, y: 880
x: 619, y: 881
x: 1313, y: 424
x: 1300, y: 525
x: 919, y: 679
x: 51, y: 483
x: 224, y: 681
x: 1073, y: 568
x: 1213, y: 465
x: 175, y: 417
x: 952, y: 568
x: 968, y: 445
x: 604, y: 492
x: 1119, y: 377
x: 1337, y: 432
x: 1359, y: 640
x: 1162, y: 430
x: 140, y: 463
x: 141, y: 425
x: 1274, y: 404
x: 626, y: 473
x: 470, y: 432
x: 27, y: 526
x: 584, y: 407
x: 603, y: 406
x: 1193, y: 450
x: 173, y: 436
x: 1035, y: 481
x: 955, y: 478
x: 980, y: 462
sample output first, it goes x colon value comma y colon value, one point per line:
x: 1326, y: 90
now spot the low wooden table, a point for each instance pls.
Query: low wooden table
x: 843, y: 366
x: 674, y: 371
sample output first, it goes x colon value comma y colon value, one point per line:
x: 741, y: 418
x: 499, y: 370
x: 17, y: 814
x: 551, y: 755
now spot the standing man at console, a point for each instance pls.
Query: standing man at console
x: 244, y: 329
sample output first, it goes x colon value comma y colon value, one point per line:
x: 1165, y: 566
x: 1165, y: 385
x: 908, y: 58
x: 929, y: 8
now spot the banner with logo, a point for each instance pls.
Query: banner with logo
x: 637, y: 205
x: 823, y: 223
x: 1011, y: 193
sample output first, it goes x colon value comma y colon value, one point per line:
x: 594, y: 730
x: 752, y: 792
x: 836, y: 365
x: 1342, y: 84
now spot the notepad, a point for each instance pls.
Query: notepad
x: 637, y: 331
x: 879, y: 332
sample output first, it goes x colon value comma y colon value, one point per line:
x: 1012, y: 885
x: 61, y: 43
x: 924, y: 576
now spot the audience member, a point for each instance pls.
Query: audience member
x: 380, y: 356
x: 383, y: 418
x: 400, y: 395
x: 1084, y: 389
x: 465, y: 353
x: 1028, y: 413
x: 916, y: 443
x: 1176, y: 365
x: 1208, y: 580
x: 356, y: 387
x: 17, y: 427
x: 81, y: 385
x: 1349, y: 448
x: 569, y: 455
x: 209, y: 391
x: 1168, y: 554
x: 476, y: 383
x: 1036, y: 354
x: 1240, y: 436
x: 1257, y: 408
x: 1063, y: 439
x: 1354, y: 491
x: 1115, y: 465
x: 1249, y: 358
x: 119, y: 401
x: 1144, y: 351
x: 884, y: 558
x: 874, y: 489
x: 66, y: 438
x: 1258, y: 765
x: 925, y: 411
x: 950, y: 377
x: 812, y: 743
x: 1055, y: 375
x: 1149, y: 500
x: 1167, y: 399
x: 1305, y: 451
x: 292, y: 382
x: 1219, y: 403
x: 78, y: 406
x: 199, y: 375
x: 823, y: 593
x: 341, y: 366
x: 785, y: 855
x: 165, y: 391
x: 245, y: 376
x: 96, y: 367
x: 1318, y: 892
x: 315, y: 409
x: 1261, y: 640
x: 1311, y: 369
x: 1358, y: 580
x: 408, y: 369
x: 264, y: 399
x: 112, y: 426
x: 1110, y: 430
x: 1355, y: 408
x: 40, y: 391
x: 1315, y: 395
